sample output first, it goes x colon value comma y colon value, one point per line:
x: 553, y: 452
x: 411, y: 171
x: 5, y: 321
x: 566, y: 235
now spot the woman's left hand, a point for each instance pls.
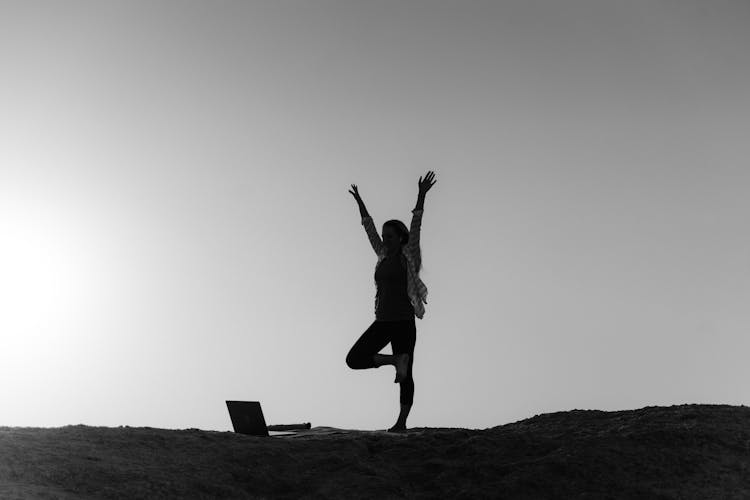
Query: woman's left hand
x: 427, y: 183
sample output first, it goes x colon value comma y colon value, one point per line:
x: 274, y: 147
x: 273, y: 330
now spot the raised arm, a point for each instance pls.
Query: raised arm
x: 424, y: 186
x: 372, y: 232
x: 416, y: 220
x: 362, y: 209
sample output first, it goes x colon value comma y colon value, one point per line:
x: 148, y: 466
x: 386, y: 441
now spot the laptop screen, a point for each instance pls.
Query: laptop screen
x: 247, y: 418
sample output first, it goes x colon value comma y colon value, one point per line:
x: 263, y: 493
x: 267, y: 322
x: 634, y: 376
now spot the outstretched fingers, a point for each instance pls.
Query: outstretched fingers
x: 428, y: 182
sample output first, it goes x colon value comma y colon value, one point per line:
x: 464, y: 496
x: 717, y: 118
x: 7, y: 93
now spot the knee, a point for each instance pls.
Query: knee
x: 351, y: 361
x: 358, y: 361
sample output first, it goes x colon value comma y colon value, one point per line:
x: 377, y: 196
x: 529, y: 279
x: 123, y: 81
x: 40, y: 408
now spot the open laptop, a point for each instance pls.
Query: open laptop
x: 247, y: 418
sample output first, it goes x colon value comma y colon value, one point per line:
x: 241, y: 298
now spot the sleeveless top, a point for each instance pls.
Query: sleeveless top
x: 392, y: 301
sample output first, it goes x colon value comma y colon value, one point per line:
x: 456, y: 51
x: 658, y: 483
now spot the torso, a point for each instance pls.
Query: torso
x: 393, y: 301
x: 398, y: 255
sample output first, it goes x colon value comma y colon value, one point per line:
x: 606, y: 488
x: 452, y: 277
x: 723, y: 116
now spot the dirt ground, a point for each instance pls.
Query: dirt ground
x: 675, y: 452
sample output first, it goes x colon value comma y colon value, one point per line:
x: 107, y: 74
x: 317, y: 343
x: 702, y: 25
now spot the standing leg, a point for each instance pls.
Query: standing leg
x: 403, y: 341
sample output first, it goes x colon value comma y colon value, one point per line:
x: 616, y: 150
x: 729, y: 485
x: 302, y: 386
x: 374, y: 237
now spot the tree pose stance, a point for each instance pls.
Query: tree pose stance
x: 400, y: 296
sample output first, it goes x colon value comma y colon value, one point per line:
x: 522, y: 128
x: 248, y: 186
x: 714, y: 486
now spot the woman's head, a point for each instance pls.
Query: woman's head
x: 395, y: 234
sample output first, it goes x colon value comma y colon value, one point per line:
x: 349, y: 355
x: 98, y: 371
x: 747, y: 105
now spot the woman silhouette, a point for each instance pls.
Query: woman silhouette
x: 400, y: 296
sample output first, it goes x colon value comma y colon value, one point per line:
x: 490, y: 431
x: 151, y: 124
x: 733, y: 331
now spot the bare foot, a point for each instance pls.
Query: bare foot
x: 402, y: 365
x: 397, y: 428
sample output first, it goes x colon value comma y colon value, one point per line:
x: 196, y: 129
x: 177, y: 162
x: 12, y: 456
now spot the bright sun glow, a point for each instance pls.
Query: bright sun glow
x: 50, y: 270
x: 39, y: 270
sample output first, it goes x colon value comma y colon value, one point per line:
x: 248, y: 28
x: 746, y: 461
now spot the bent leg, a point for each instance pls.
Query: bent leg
x: 369, y: 343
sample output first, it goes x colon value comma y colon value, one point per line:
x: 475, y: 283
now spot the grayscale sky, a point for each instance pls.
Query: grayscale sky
x: 176, y: 228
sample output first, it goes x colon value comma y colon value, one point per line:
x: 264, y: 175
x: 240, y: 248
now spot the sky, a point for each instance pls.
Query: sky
x: 176, y: 228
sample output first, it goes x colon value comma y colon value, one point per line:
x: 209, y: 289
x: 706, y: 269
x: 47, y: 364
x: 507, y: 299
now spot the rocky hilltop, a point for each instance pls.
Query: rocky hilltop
x: 690, y: 451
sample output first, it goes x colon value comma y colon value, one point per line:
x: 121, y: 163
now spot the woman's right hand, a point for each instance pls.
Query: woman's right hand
x: 355, y: 192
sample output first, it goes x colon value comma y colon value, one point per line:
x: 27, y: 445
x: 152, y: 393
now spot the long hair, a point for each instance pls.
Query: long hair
x: 403, y: 233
